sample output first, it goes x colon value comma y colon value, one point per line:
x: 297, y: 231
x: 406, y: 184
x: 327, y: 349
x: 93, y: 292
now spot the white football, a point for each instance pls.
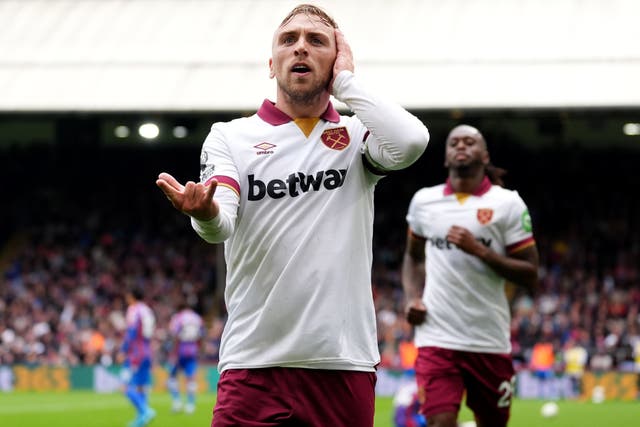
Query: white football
x: 598, y: 394
x: 549, y: 409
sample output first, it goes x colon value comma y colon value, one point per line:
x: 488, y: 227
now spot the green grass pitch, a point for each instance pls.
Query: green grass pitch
x: 88, y: 409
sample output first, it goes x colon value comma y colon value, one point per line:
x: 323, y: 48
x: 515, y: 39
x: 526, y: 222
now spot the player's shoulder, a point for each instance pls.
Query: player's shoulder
x: 348, y: 119
x: 426, y: 194
x: 238, y: 129
x: 352, y: 124
x: 505, y: 194
x: 237, y: 123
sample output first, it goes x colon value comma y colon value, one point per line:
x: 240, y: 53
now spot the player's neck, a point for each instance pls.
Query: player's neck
x: 299, y: 110
x: 462, y: 183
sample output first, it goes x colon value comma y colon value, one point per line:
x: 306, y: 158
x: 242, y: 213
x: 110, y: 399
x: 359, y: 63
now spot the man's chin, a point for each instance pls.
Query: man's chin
x: 308, y: 96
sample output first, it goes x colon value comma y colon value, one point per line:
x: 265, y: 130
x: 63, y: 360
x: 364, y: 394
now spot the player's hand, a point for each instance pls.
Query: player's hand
x: 415, y: 312
x: 344, y: 56
x: 193, y: 199
x: 463, y: 239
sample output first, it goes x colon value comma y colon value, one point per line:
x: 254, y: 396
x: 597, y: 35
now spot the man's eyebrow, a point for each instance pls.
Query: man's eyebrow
x: 309, y: 33
x: 288, y: 33
x: 462, y: 138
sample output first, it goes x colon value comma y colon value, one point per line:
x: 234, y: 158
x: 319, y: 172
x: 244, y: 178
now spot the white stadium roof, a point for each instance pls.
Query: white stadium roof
x: 211, y: 55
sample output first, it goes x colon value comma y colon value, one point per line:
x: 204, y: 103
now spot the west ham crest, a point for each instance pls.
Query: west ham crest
x: 484, y: 216
x: 336, y: 139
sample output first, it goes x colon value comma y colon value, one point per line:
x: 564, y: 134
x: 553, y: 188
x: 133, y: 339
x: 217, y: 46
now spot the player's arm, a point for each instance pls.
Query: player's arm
x: 193, y: 199
x: 129, y: 337
x: 413, y: 278
x: 397, y: 138
x: 519, y: 267
x: 213, y: 219
x: 218, y: 166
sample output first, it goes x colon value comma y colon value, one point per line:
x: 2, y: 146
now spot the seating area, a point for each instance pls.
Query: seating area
x: 78, y: 230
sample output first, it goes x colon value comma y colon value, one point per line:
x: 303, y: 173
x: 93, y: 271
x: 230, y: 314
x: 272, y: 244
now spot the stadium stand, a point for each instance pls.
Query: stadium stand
x: 82, y: 230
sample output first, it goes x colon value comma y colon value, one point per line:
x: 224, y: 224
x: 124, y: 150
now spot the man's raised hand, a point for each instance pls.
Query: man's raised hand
x: 193, y: 199
x: 344, y: 56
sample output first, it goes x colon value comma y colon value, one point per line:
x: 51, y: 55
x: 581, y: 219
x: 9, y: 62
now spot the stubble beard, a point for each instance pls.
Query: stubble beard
x: 301, y: 96
x: 466, y: 170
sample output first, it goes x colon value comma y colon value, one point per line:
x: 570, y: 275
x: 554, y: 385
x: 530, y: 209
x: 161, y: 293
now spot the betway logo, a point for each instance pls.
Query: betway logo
x: 295, y: 184
x: 442, y: 243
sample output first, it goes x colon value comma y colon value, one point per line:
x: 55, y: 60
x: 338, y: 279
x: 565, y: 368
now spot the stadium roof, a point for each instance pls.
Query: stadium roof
x: 211, y: 55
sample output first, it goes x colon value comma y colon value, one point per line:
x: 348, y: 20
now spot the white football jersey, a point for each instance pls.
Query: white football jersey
x: 298, y: 289
x: 467, y: 308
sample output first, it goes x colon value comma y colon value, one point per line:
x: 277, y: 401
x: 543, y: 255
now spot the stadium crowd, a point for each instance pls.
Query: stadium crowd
x: 62, y: 296
x: 65, y: 266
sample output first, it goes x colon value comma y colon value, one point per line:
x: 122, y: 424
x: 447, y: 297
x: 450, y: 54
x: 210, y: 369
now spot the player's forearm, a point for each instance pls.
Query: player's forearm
x: 519, y: 271
x: 413, y: 278
x: 399, y: 138
x: 216, y: 230
x: 219, y: 228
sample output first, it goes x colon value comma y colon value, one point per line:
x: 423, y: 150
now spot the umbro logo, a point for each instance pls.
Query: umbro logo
x: 264, y: 148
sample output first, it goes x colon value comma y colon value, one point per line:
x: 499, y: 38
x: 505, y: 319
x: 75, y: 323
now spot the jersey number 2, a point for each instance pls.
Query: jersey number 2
x: 506, y: 390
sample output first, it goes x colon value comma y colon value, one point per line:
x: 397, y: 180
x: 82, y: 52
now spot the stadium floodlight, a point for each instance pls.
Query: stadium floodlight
x: 149, y: 130
x: 631, y: 129
x: 121, y: 131
x: 180, y: 132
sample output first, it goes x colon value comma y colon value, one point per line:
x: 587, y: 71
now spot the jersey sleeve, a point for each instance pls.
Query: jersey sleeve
x: 518, y: 230
x: 415, y: 225
x: 397, y: 139
x: 216, y: 162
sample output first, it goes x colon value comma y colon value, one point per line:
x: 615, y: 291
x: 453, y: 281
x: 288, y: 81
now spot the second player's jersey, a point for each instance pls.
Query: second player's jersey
x: 186, y: 329
x: 298, y: 289
x: 467, y: 308
x: 141, y: 324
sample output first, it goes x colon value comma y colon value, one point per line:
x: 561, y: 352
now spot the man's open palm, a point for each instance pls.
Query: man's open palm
x: 193, y: 199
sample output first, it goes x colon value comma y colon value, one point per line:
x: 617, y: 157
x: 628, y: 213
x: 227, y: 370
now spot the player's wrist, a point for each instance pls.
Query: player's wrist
x: 340, y: 80
x: 485, y: 254
x: 208, y: 220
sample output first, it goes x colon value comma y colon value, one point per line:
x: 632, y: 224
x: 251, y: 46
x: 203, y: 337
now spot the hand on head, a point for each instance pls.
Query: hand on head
x: 193, y: 199
x: 344, y: 56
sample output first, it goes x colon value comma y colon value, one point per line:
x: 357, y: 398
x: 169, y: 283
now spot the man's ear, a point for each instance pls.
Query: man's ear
x: 272, y: 73
x: 486, y: 159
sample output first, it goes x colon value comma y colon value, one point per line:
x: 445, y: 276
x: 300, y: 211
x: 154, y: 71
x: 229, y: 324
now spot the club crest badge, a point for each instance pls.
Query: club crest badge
x: 484, y: 216
x: 336, y: 139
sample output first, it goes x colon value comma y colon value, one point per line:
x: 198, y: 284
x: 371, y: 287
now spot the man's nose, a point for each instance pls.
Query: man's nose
x: 301, y: 47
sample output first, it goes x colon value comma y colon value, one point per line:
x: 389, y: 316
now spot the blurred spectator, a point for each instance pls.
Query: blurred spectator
x: 63, y: 270
x: 575, y: 359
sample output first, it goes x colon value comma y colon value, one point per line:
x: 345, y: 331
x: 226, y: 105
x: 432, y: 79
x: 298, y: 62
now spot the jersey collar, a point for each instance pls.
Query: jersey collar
x: 484, y: 186
x: 270, y: 114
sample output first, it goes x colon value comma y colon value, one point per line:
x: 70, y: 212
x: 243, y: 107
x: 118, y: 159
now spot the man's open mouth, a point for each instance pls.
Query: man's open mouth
x: 300, y: 68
